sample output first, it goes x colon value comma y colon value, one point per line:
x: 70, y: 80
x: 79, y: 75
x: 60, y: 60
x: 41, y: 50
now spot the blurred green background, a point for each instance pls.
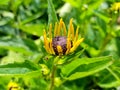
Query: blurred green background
x: 21, y: 43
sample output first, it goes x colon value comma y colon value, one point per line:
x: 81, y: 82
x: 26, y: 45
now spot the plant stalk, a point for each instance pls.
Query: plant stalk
x: 52, y: 77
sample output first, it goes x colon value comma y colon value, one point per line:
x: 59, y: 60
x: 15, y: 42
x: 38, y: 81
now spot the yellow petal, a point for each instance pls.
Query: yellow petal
x: 69, y: 32
x: 76, y: 36
x: 76, y: 45
x: 55, y: 29
x: 45, y: 38
x: 51, y: 48
x: 72, y: 28
x: 64, y: 28
x: 46, y: 42
x: 68, y: 45
x: 59, y: 49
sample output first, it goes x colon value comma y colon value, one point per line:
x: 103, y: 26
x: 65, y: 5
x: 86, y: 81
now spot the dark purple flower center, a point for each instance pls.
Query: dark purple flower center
x: 61, y: 41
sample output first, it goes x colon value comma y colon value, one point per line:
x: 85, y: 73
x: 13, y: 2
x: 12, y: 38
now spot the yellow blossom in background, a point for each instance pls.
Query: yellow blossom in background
x: 61, y: 42
x: 116, y: 6
x: 13, y: 86
x: 45, y: 69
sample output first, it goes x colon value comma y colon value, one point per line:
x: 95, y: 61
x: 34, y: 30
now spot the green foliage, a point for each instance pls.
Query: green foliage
x: 17, y: 68
x: 4, y: 2
x: 51, y: 13
x: 94, y: 65
x: 85, y: 67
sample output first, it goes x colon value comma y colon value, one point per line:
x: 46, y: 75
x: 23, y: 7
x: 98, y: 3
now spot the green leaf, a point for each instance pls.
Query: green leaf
x: 18, y: 68
x: 118, y: 44
x: 89, y: 69
x: 12, y: 57
x: 102, y: 16
x: 52, y: 17
x: 109, y: 84
x: 31, y: 44
x: 111, y: 76
x: 84, y: 65
x: 27, y: 2
x: 15, y: 5
x: 102, y: 25
x: 108, y: 81
x: 4, y: 2
x: 34, y: 29
x: 31, y: 18
x: 74, y: 3
x: 91, y: 6
x: 15, y: 45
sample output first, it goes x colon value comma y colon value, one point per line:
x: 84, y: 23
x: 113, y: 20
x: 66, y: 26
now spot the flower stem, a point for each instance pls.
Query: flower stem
x: 52, y: 77
x: 105, y: 42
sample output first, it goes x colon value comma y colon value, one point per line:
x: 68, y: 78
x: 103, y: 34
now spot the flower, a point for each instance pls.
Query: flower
x: 62, y: 42
x: 45, y: 69
x: 13, y: 86
x: 116, y: 6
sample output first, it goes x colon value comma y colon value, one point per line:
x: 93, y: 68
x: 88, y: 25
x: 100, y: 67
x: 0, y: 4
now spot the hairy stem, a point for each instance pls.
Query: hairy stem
x: 54, y: 67
x: 52, y: 77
